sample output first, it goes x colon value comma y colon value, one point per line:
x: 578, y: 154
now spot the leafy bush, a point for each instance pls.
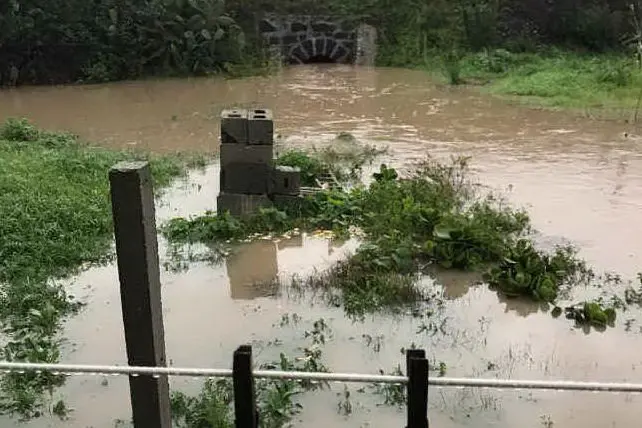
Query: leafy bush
x: 591, y: 314
x: 526, y: 271
x: 18, y: 130
x: 432, y: 216
x: 209, y: 227
x: 188, y: 37
x: 48, y: 41
x: 345, y: 163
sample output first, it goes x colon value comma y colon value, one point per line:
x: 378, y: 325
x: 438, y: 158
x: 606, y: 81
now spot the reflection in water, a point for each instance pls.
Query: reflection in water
x: 455, y: 283
x: 522, y: 306
x: 295, y: 241
x: 252, y: 270
x: 564, y: 169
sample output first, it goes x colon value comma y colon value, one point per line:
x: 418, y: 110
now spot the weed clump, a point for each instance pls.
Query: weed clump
x: 345, y: 160
x: 311, y: 167
x: 527, y: 271
x: 365, y: 290
x: 633, y: 296
x: 591, y: 314
x: 436, y: 215
x: 18, y: 130
x: 276, y: 398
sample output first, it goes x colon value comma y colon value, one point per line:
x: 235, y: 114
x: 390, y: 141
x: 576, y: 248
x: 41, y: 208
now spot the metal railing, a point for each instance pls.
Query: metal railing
x: 442, y: 381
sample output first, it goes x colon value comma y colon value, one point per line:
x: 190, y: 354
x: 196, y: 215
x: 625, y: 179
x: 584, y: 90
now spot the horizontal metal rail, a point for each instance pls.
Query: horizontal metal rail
x: 558, y: 385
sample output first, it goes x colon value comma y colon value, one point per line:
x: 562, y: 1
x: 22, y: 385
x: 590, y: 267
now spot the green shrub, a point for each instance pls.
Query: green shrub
x: 47, y: 41
x: 615, y: 74
x: 527, y: 271
x: 591, y: 314
x: 18, y: 130
x: 432, y: 216
x: 310, y: 166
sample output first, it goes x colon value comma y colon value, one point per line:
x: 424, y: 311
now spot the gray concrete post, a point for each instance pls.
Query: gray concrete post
x: 132, y: 199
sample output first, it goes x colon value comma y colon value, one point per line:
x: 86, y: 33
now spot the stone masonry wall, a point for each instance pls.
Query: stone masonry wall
x: 366, y: 51
x: 302, y: 39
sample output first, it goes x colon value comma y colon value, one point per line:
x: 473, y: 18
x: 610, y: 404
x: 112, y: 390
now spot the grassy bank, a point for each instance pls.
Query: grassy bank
x: 555, y: 79
x: 56, y: 218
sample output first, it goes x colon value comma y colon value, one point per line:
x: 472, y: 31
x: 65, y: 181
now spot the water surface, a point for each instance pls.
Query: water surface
x: 580, y: 179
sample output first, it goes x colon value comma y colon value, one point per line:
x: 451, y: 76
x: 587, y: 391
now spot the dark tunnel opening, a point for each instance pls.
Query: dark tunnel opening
x: 320, y: 59
x: 317, y: 59
x: 320, y: 51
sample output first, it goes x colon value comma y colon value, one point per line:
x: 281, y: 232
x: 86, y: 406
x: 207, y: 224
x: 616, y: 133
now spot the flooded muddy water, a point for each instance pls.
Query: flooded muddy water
x: 580, y: 179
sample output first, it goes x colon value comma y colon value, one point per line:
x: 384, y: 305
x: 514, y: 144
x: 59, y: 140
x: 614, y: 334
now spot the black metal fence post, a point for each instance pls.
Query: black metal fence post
x: 417, y: 372
x: 246, y: 415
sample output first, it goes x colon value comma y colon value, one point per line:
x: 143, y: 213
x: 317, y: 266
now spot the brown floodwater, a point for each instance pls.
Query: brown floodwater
x: 580, y: 179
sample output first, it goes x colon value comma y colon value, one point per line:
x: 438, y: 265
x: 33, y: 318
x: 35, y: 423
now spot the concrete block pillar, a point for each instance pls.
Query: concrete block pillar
x: 260, y: 127
x: 234, y: 126
x: 249, y: 180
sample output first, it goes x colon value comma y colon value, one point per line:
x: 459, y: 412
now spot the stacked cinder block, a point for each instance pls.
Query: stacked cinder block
x: 249, y: 179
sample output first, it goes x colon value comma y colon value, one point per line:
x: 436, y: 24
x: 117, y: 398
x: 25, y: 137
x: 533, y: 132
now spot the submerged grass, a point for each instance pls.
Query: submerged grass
x: 436, y: 215
x: 364, y: 290
x: 56, y: 218
x: 276, y: 399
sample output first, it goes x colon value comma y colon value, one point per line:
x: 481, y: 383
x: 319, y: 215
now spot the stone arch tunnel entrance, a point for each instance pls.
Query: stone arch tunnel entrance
x: 313, y: 39
x: 319, y: 50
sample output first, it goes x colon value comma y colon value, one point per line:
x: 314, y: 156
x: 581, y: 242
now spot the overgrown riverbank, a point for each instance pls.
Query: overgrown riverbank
x: 83, y: 41
x: 591, y: 84
x: 56, y: 219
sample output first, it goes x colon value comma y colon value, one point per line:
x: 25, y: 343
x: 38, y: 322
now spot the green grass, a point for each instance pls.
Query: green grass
x: 575, y: 82
x: 56, y: 218
x: 555, y: 79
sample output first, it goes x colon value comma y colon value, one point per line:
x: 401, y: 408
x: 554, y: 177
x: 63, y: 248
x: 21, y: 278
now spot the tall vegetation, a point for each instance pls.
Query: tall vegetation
x: 47, y: 41
x: 410, y: 29
x: 415, y: 29
x: 435, y: 216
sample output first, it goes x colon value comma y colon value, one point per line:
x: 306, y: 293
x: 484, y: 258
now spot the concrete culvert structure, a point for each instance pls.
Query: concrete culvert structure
x: 310, y: 39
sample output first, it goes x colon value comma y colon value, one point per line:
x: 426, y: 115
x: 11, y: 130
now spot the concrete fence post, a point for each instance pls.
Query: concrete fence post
x: 132, y: 199
x: 417, y: 372
x: 245, y: 412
